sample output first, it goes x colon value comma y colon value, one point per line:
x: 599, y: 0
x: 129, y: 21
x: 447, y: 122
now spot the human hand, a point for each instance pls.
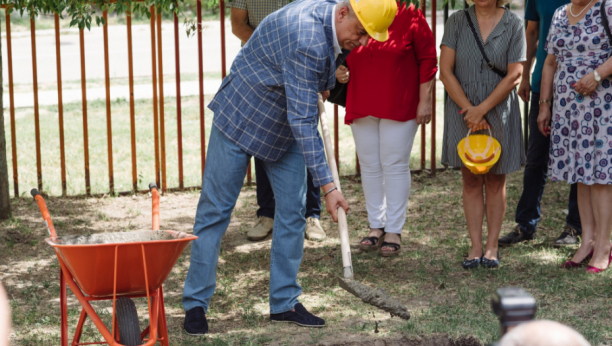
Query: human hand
x: 586, y: 85
x: 333, y: 201
x: 482, y: 125
x: 325, y: 95
x: 524, y: 89
x: 342, y: 74
x: 544, y: 120
x: 423, y: 112
x: 473, y: 116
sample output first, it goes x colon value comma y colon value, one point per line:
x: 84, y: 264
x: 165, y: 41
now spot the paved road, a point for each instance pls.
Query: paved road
x: 142, y: 91
x: 94, y: 52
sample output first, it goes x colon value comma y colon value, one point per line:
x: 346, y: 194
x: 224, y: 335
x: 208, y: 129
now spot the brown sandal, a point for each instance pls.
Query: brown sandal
x: 374, y: 241
x: 389, y: 253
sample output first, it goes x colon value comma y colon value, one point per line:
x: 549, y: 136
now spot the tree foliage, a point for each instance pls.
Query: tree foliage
x: 83, y: 13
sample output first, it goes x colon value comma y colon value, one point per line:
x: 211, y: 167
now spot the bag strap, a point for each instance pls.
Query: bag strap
x: 604, y: 21
x: 482, y: 50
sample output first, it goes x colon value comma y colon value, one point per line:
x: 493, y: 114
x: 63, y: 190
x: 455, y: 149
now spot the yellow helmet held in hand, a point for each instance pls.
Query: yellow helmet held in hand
x: 376, y: 16
x: 479, y: 153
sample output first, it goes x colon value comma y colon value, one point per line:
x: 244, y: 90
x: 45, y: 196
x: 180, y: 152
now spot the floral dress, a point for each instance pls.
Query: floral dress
x: 581, y: 138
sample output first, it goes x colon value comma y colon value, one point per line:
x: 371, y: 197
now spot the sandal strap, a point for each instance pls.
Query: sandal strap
x: 395, y: 246
x: 372, y: 240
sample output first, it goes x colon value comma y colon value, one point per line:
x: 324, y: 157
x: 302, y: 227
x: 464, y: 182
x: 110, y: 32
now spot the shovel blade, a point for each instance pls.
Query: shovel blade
x: 376, y: 297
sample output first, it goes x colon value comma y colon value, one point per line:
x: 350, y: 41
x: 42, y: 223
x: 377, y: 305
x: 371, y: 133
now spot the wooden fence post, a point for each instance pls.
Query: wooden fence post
x: 5, y: 201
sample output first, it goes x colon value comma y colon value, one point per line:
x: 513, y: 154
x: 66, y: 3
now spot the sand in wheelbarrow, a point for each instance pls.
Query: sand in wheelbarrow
x: 112, y: 238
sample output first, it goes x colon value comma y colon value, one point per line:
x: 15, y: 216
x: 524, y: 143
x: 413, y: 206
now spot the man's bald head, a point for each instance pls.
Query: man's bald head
x: 543, y: 333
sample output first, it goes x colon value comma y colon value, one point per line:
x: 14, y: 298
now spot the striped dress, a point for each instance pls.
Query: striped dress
x: 505, y: 45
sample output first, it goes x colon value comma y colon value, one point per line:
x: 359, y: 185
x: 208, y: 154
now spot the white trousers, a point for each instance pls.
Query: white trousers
x: 383, y: 147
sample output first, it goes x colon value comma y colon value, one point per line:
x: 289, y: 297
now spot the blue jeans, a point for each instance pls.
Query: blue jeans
x: 534, y: 178
x: 265, y: 196
x: 226, y: 167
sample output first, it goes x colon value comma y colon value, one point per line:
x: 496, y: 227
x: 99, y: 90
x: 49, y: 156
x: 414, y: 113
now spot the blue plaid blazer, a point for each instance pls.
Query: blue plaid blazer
x: 269, y: 99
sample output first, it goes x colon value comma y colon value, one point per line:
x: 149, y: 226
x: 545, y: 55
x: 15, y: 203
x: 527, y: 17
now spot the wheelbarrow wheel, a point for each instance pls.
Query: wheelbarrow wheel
x: 127, y: 318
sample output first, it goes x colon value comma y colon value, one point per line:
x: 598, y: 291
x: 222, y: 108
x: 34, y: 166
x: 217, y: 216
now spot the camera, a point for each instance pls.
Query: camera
x: 513, y: 306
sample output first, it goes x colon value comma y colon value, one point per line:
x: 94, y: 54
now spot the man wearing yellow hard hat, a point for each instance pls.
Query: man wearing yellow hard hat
x: 267, y: 107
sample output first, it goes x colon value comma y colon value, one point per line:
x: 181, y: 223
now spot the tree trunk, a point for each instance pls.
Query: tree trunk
x: 5, y: 201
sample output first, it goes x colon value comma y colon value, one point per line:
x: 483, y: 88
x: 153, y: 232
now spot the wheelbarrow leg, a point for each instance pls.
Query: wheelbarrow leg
x: 144, y: 333
x: 116, y: 329
x: 63, y: 310
x: 163, y: 325
x: 79, y: 328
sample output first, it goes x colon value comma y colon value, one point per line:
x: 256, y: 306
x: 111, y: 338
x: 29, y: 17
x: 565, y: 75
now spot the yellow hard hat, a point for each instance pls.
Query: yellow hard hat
x: 376, y: 16
x: 479, y: 153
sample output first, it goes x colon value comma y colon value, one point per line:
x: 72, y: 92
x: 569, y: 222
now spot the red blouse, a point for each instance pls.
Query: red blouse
x: 385, y: 77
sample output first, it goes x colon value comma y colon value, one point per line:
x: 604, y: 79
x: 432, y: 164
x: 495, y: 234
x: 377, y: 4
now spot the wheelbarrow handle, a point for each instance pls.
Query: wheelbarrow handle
x: 155, y: 201
x: 44, y: 211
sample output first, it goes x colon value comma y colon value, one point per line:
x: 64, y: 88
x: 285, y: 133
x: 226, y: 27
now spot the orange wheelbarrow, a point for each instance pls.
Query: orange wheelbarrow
x: 117, y: 267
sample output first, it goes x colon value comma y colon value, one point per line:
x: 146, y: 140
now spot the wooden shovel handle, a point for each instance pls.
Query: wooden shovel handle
x: 342, y: 224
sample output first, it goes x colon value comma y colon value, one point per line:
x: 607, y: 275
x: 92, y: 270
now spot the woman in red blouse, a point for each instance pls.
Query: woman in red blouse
x: 389, y: 95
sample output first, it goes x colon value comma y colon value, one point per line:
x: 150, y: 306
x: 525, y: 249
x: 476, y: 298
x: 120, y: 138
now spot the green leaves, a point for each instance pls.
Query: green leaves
x: 83, y: 12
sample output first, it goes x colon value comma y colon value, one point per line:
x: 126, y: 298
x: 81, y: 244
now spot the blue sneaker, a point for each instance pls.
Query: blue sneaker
x: 300, y: 316
x: 195, y: 321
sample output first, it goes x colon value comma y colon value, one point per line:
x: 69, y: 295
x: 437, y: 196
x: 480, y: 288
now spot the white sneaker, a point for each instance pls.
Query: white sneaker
x: 262, y: 228
x: 314, y: 231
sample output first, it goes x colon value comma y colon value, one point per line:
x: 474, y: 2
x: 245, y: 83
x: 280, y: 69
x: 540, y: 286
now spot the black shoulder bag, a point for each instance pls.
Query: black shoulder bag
x: 338, y: 94
x: 604, y: 21
x: 482, y: 51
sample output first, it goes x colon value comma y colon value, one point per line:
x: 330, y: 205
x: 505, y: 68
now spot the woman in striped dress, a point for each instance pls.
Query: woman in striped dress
x: 480, y: 98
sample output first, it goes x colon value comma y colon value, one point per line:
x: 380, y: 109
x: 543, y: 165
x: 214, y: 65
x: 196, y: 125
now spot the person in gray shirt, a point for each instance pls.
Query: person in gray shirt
x: 246, y: 16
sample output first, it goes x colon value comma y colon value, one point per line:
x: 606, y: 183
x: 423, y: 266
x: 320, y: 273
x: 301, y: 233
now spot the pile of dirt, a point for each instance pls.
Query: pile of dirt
x: 431, y: 341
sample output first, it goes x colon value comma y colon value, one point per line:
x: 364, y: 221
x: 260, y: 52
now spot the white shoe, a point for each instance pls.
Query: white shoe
x: 262, y: 228
x: 314, y: 231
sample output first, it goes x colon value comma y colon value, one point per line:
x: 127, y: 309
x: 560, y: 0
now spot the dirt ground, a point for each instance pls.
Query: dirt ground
x: 449, y: 306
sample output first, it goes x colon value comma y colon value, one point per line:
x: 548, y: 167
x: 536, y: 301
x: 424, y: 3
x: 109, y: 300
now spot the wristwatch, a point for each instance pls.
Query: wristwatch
x: 544, y: 101
x: 597, y: 76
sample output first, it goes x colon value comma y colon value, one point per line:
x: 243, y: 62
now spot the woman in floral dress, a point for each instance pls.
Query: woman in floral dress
x: 577, y: 73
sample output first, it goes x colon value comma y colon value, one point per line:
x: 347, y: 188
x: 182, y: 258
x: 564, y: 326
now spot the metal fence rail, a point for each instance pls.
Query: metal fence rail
x: 158, y: 116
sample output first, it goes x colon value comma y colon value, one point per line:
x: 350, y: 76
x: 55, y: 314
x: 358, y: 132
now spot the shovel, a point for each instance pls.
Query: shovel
x: 376, y: 297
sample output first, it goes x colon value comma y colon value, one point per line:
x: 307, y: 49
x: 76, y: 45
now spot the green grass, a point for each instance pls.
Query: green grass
x: 98, y: 152
x: 427, y: 277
